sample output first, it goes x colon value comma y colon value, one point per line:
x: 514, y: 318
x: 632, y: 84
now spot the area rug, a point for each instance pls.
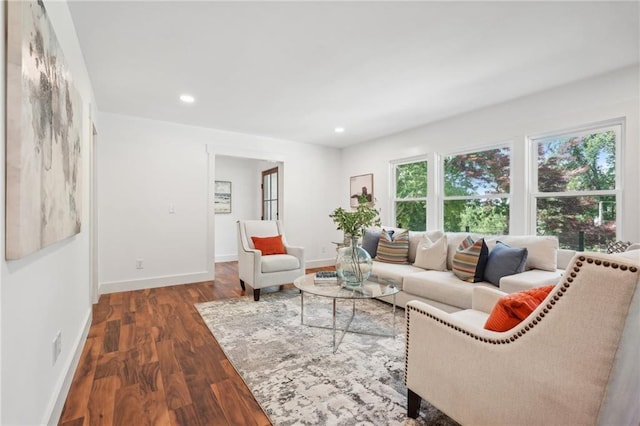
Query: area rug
x: 295, y: 376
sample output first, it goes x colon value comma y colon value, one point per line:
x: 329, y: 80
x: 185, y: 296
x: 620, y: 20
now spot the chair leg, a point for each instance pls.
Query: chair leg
x: 242, y: 285
x: 256, y: 294
x: 413, y: 400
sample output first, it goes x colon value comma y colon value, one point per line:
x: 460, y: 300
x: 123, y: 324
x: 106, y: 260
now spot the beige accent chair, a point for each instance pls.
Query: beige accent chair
x: 264, y: 271
x: 574, y: 361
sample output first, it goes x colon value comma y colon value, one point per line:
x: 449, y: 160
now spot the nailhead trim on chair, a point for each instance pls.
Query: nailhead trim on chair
x: 526, y: 327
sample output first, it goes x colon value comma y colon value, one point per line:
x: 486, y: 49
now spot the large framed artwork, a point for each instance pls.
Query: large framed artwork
x: 44, y: 128
x: 222, y: 197
x: 361, y: 186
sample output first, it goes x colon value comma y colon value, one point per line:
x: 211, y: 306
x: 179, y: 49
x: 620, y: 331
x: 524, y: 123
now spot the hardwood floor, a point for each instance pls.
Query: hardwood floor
x: 149, y: 359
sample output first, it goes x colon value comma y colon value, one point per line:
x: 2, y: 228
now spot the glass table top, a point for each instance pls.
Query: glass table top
x: 373, y: 287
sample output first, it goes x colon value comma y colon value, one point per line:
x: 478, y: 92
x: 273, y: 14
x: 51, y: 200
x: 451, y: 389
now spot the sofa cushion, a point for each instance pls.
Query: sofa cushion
x: 470, y: 260
x: 542, y: 250
x: 472, y: 317
x: 504, y: 260
x: 441, y: 286
x: 393, y: 271
x: 279, y: 263
x: 269, y: 245
x: 393, y: 249
x: 529, y: 279
x: 512, y: 309
x: 432, y: 254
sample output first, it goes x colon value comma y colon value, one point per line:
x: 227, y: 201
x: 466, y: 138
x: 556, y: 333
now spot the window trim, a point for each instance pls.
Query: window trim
x: 618, y: 125
x: 393, y: 186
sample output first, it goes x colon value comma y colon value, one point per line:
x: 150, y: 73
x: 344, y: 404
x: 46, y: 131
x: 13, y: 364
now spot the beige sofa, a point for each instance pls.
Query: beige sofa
x: 442, y: 289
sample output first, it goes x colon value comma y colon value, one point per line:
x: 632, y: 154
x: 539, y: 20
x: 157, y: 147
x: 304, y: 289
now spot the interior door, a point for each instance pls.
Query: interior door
x: 270, y: 194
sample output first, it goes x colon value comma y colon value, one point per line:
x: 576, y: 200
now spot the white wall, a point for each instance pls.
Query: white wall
x: 245, y: 177
x: 47, y: 291
x: 145, y: 166
x: 609, y: 96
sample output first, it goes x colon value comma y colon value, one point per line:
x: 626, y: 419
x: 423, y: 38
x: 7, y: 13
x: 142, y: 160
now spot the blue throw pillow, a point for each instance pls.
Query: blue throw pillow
x: 504, y: 260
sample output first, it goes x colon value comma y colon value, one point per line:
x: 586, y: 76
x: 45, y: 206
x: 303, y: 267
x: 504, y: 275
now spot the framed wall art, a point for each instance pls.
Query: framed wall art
x: 360, y: 186
x: 222, y: 197
x: 44, y: 135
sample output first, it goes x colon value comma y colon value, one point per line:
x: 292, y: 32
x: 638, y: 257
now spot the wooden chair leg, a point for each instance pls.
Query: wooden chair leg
x: 242, y: 285
x: 256, y: 294
x: 413, y: 402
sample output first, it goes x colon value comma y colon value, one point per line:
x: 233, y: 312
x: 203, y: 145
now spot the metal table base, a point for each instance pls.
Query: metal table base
x: 346, y: 328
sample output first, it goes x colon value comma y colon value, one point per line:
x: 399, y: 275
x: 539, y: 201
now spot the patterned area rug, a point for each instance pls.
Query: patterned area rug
x: 291, y: 368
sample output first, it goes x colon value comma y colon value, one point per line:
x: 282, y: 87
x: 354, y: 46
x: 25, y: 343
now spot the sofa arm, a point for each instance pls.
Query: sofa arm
x: 484, y: 298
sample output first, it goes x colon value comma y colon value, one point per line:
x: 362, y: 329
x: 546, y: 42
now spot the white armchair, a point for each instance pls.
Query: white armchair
x: 574, y: 360
x: 264, y: 271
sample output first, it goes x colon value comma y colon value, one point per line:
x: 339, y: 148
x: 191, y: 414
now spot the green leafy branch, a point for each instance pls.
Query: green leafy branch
x: 353, y: 222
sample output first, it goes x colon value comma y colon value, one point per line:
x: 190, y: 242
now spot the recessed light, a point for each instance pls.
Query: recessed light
x: 187, y: 99
x: 339, y: 130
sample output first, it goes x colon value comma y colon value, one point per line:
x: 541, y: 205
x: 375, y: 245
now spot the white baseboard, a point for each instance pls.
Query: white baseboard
x: 227, y: 258
x: 154, y: 282
x: 320, y: 263
x: 57, y: 403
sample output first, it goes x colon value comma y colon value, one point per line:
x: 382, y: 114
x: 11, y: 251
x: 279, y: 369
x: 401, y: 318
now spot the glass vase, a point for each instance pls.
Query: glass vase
x: 353, y: 264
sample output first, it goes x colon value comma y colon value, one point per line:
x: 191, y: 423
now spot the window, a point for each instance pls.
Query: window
x: 410, y: 201
x: 476, y: 191
x: 576, y: 189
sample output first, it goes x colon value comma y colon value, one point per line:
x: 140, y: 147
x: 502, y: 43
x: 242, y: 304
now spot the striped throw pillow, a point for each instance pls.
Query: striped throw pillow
x: 393, y: 249
x: 470, y: 260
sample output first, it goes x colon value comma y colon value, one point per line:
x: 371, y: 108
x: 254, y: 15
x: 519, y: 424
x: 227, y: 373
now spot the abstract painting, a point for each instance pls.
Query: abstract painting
x: 44, y: 128
x: 222, y: 197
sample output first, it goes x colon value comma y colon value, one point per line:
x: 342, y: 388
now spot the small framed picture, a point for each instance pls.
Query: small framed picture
x: 222, y: 197
x: 361, y: 186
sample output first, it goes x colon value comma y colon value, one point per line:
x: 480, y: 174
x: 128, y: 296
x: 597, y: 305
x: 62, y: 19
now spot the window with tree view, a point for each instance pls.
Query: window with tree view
x: 476, y: 191
x: 577, y: 190
x: 411, y: 195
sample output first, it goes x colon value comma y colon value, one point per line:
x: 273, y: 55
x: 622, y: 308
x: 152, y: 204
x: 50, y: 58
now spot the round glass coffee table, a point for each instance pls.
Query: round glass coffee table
x: 373, y: 287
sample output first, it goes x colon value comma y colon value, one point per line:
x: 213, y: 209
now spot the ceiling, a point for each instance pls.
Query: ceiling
x: 296, y: 70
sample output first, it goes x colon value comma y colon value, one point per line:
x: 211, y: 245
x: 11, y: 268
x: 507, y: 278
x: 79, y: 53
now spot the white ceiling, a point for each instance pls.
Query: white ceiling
x: 296, y: 70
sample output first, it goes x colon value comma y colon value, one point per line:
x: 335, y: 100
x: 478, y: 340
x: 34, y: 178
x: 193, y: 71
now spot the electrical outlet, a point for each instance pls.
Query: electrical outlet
x: 324, y: 249
x: 57, y: 346
x: 139, y: 263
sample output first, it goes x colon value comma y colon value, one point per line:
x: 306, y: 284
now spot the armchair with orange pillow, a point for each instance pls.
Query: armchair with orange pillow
x: 555, y: 355
x: 264, y: 257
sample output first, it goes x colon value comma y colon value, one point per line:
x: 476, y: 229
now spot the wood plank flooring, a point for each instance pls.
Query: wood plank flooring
x: 149, y: 359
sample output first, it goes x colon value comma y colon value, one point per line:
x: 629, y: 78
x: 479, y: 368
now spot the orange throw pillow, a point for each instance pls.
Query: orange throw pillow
x: 269, y: 245
x: 512, y: 309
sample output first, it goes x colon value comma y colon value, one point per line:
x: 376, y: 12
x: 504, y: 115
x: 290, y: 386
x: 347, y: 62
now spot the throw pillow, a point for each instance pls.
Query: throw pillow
x: 504, y: 260
x: 269, y: 245
x: 470, y: 260
x: 617, y: 246
x: 512, y: 309
x: 432, y: 254
x: 393, y: 248
x: 370, y: 240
